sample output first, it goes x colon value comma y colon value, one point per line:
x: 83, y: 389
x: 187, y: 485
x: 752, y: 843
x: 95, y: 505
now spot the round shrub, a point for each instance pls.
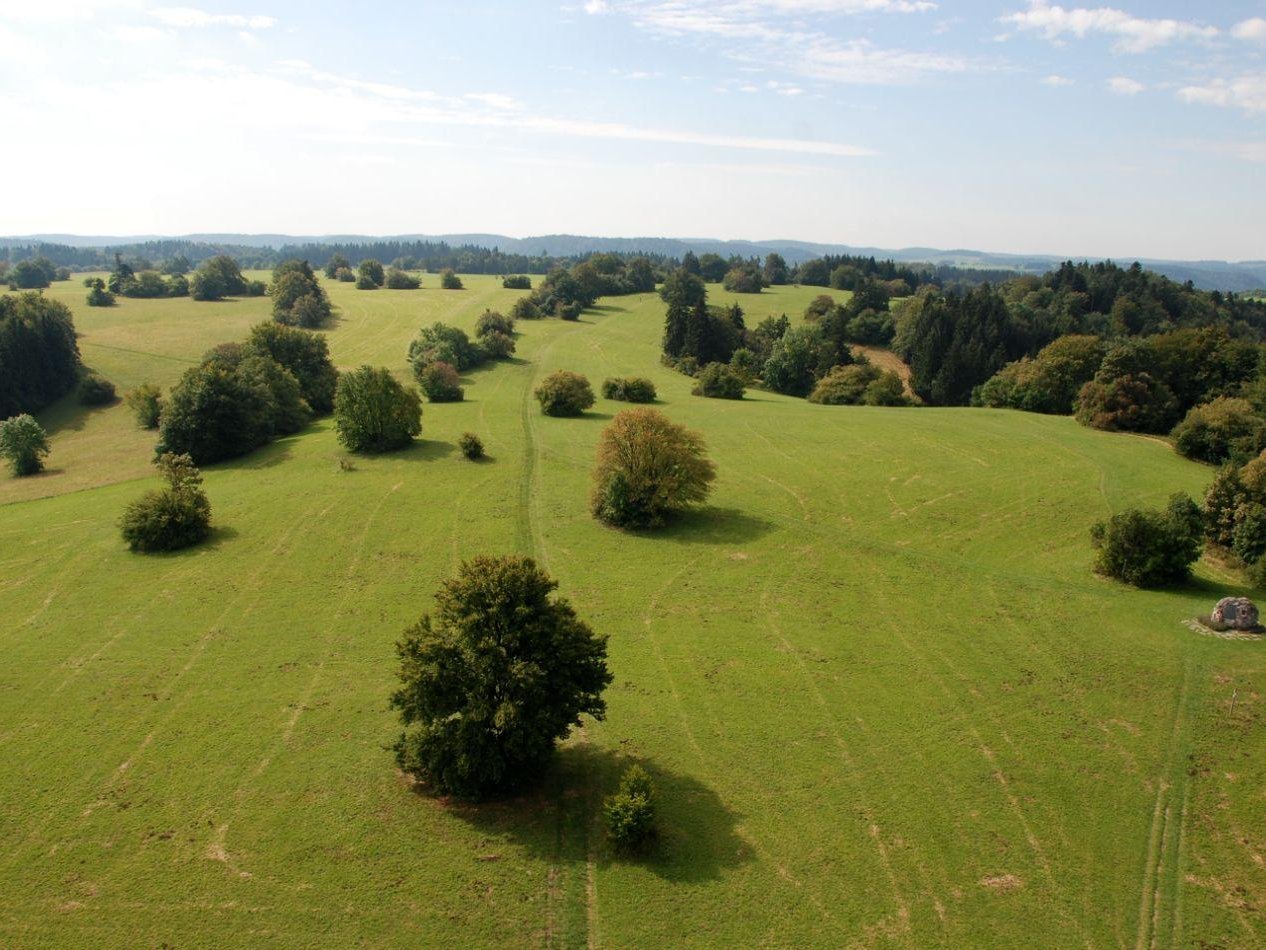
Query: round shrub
x: 630, y: 813
x: 516, y: 282
x: 629, y: 389
x: 370, y: 270
x: 525, y: 309
x: 564, y: 394
x: 24, y: 443
x: 647, y: 469
x: 440, y: 342
x: 569, y: 311
x: 471, y: 445
x: 1221, y: 430
x: 497, y: 345
x: 176, y: 517
x: 449, y: 279
x: 494, y: 678
x: 1137, y: 403
x: 365, y: 282
x: 345, y: 275
x: 95, y: 390
x: 887, y: 390
x: 1150, y: 548
x: 492, y: 322
x: 374, y: 413
x: 439, y: 382
x: 718, y: 381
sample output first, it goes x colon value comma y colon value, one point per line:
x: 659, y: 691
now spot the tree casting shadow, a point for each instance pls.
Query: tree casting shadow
x: 697, y: 840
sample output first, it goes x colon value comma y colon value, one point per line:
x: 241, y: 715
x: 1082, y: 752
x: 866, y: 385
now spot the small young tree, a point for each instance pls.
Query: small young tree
x: 24, y: 443
x: 647, y: 469
x: 471, y: 445
x: 492, y: 322
x: 449, y: 279
x: 1150, y: 548
x: 564, y: 394
x: 630, y: 813
x: 374, y: 413
x: 173, y: 518
x: 146, y: 403
x: 494, y: 678
x: 439, y: 382
x: 718, y: 381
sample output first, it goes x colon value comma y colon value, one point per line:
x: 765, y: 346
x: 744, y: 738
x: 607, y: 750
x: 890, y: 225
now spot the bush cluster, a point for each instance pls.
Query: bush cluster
x: 471, y: 445
x: 1226, y: 429
x: 299, y: 300
x: 175, y: 517
x: 398, y: 279
x: 439, y: 382
x: 449, y: 279
x: 1150, y: 548
x: 629, y: 389
x: 516, y: 282
x: 718, y: 381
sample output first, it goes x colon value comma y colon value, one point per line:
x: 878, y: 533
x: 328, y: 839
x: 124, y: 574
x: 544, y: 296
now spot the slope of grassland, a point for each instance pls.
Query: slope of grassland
x: 885, y: 699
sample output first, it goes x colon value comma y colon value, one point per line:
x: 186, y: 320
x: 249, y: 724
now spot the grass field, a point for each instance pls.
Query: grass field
x: 885, y: 699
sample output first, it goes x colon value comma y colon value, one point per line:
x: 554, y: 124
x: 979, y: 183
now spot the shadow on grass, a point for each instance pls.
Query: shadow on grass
x: 424, y: 450
x: 556, y: 821
x: 723, y: 526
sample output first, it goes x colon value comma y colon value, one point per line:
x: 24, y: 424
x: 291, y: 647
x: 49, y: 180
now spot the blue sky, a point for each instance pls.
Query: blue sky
x: 1006, y: 125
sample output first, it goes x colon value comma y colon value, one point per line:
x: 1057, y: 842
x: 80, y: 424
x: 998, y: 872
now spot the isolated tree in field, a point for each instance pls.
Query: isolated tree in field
x: 564, y: 394
x: 648, y: 468
x: 305, y: 354
x: 370, y: 270
x: 146, y: 403
x: 1150, y: 548
x: 471, y: 445
x: 449, y: 279
x: 24, y: 443
x: 744, y: 279
x: 176, y: 517
x: 494, y: 678
x: 374, y: 413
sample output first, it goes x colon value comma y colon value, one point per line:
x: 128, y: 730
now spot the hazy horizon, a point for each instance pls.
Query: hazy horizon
x: 1008, y: 126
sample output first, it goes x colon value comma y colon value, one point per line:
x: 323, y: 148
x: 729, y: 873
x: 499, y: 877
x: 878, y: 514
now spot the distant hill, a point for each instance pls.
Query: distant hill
x: 1237, y: 276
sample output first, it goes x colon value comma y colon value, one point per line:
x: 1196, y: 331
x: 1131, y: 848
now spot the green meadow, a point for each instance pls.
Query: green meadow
x: 885, y: 699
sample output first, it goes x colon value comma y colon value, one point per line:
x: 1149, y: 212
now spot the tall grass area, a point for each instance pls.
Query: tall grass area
x: 883, y: 697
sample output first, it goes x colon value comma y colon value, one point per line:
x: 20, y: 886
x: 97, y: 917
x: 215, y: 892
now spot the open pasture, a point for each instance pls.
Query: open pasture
x: 885, y: 699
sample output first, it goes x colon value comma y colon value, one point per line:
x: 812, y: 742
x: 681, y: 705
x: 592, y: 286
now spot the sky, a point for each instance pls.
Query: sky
x: 1024, y: 126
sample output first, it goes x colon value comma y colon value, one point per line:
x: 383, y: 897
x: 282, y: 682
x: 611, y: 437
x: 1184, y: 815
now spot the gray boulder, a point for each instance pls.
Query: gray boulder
x: 1238, y: 613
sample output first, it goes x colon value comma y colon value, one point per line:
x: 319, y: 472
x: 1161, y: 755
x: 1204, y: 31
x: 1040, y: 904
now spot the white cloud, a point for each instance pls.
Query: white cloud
x: 1252, y: 29
x: 1135, y: 34
x: 593, y: 7
x: 765, y: 32
x: 1247, y: 92
x: 1057, y: 80
x: 494, y: 99
x: 62, y: 11
x: 192, y: 18
x: 1125, y: 86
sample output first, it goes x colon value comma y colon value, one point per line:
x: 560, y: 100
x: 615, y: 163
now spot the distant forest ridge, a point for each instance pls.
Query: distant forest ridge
x: 499, y: 254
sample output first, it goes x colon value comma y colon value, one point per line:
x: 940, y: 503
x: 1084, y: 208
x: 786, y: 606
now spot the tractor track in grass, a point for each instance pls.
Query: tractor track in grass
x: 1162, y: 886
x: 154, y: 725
